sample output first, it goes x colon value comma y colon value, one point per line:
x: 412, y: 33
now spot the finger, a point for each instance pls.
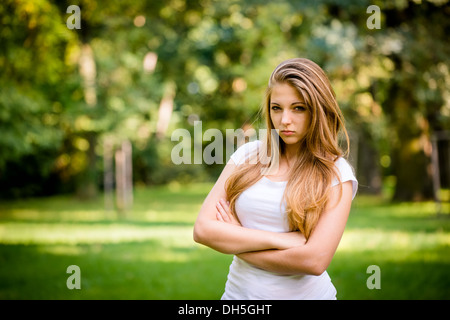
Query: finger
x: 228, y: 211
x: 219, y: 217
x: 223, y: 212
x: 226, y: 206
x: 228, y: 215
x: 219, y: 214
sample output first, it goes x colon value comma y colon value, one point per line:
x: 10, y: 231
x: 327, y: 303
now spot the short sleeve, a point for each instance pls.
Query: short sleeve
x: 243, y: 152
x: 346, y: 174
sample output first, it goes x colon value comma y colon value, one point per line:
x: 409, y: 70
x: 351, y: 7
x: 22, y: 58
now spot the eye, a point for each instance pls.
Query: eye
x: 299, y: 108
x: 275, y: 108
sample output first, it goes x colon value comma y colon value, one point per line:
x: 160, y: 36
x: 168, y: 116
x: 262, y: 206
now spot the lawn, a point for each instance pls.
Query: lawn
x: 150, y: 254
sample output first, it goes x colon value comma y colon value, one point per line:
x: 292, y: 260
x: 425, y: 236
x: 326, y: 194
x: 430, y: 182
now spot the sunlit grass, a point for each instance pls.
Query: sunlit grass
x: 149, y: 253
x: 73, y: 233
x: 408, y: 241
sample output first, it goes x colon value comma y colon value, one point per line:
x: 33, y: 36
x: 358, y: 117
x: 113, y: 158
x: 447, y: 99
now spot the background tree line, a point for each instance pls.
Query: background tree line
x: 137, y: 70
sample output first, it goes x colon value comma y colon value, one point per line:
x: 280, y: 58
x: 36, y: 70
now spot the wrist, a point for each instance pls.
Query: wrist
x: 277, y: 240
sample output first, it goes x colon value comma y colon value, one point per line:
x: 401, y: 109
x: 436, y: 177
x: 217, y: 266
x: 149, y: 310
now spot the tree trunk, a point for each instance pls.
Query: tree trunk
x: 108, y: 174
x: 165, y: 110
x: 369, y: 173
x: 411, y: 152
x: 124, y: 178
x: 87, y: 187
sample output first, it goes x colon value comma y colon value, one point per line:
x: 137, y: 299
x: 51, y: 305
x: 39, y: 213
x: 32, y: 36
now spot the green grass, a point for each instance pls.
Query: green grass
x: 150, y: 254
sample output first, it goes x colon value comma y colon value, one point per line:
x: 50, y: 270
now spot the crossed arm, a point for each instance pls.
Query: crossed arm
x: 286, y: 253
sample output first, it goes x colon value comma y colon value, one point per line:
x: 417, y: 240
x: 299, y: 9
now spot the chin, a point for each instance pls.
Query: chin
x: 292, y: 140
x: 289, y: 141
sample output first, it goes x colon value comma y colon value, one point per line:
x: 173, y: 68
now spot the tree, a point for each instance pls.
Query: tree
x: 415, y: 42
x: 33, y: 70
x: 398, y: 99
x: 136, y: 71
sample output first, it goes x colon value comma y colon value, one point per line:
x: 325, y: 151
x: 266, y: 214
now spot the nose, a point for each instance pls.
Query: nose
x: 286, y: 117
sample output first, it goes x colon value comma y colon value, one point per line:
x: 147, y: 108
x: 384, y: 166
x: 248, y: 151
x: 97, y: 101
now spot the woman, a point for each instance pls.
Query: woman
x: 284, y: 225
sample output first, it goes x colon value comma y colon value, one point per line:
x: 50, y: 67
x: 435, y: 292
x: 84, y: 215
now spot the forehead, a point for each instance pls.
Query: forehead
x: 285, y: 94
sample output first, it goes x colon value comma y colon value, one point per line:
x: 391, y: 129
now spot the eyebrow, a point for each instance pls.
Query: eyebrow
x: 297, y: 102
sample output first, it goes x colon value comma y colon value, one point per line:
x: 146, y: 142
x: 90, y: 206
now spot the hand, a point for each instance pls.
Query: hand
x: 224, y: 213
x: 290, y: 240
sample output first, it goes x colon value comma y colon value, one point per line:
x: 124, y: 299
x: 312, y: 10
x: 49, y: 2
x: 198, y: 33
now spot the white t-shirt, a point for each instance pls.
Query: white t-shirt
x: 261, y: 207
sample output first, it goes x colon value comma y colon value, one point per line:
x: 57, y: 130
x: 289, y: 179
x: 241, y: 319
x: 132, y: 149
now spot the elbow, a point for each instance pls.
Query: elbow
x: 314, y: 264
x: 206, y: 235
x: 202, y: 233
x: 198, y: 234
x: 319, y: 266
x: 317, y: 269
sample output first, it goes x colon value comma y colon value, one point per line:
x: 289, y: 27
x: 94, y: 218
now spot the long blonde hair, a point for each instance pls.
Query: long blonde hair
x: 309, y: 184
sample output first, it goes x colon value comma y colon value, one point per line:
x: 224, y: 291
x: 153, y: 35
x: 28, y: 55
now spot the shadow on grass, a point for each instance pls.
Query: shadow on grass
x: 138, y: 223
x: 133, y: 270
x: 159, y: 260
x: 150, y: 270
x: 367, y: 213
x: 416, y: 276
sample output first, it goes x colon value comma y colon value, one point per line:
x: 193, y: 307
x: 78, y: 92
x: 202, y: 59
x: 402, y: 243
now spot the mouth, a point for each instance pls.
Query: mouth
x: 287, y: 132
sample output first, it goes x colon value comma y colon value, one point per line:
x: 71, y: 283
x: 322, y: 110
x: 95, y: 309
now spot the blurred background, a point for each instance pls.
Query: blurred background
x: 87, y: 114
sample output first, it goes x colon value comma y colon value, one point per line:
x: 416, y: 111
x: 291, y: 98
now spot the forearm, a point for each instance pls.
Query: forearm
x: 225, y: 234
x: 232, y: 239
x: 298, y: 260
x: 315, y: 256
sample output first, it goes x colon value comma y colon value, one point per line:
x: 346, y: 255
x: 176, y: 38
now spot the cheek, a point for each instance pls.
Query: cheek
x: 273, y: 118
x: 305, y: 121
x: 307, y: 118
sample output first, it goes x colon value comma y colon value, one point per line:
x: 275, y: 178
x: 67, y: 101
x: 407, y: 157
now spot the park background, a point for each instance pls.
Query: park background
x: 86, y: 117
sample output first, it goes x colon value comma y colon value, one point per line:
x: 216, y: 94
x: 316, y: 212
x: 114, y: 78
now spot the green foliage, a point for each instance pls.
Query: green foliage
x: 392, y: 83
x: 26, y: 126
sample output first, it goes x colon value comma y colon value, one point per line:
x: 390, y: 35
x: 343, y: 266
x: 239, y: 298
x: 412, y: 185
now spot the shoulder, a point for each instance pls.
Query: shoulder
x: 346, y: 173
x: 344, y: 167
x: 244, y: 152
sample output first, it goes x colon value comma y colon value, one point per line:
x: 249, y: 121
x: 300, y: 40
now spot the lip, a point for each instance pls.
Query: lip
x: 287, y: 132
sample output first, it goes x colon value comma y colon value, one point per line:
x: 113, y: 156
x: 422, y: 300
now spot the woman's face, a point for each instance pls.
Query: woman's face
x: 289, y: 113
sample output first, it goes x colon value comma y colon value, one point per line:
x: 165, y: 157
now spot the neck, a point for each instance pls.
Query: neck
x: 291, y: 150
x: 290, y: 153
